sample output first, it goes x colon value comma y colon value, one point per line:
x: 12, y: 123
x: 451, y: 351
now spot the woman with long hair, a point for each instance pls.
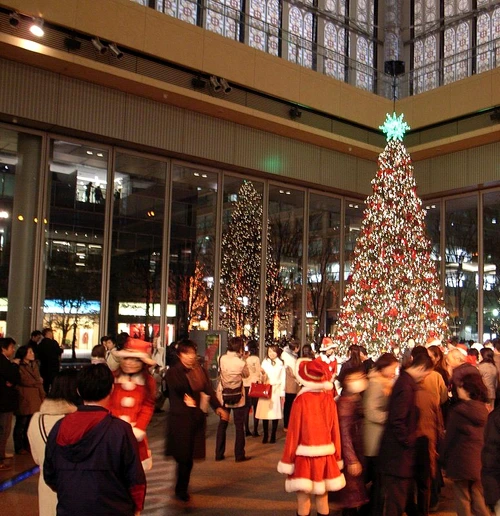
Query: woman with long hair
x: 253, y: 364
x: 271, y: 409
x: 62, y: 399
x: 31, y: 395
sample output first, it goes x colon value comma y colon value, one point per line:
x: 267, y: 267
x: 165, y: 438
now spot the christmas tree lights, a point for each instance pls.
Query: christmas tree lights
x: 240, y: 269
x: 393, y: 293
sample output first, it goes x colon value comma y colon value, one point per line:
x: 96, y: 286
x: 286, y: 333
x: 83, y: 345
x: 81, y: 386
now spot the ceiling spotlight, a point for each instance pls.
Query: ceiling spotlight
x: 72, y: 44
x: 14, y: 19
x: 100, y: 47
x: 115, y: 50
x: 198, y: 83
x: 295, y: 113
x: 225, y: 86
x: 37, y: 27
x: 215, y: 84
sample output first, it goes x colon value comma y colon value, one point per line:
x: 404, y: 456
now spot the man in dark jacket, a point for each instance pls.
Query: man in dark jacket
x: 490, y: 473
x: 9, y: 378
x: 49, y: 354
x: 92, y: 458
x: 397, y: 448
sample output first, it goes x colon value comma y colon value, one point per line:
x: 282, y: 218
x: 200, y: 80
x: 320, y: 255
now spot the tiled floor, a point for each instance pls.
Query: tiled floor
x: 217, y: 488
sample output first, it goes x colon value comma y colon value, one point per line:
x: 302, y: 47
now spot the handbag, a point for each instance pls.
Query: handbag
x: 232, y: 396
x: 260, y: 390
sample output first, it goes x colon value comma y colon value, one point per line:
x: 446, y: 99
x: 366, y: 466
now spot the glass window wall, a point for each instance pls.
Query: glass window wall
x: 135, y: 276
x: 241, y: 257
x: 20, y: 157
x: 284, y: 263
x: 433, y: 226
x: 323, y: 267
x: 74, y: 242
x: 491, y: 265
x: 461, y: 255
x: 192, y: 251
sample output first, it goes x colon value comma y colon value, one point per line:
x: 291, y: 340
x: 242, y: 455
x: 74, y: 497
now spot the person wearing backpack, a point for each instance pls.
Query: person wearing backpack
x: 232, y: 370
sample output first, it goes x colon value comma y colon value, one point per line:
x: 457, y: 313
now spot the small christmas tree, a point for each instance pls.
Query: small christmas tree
x: 393, y: 293
x: 240, y: 269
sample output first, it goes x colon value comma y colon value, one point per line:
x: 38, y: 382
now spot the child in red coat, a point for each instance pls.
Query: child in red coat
x: 133, y: 398
x: 312, y: 457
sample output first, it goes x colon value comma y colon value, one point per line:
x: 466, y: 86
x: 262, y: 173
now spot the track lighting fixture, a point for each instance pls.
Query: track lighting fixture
x: 215, y: 84
x: 100, y: 47
x: 72, y: 43
x: 14, y: 19
x: 198, y: 83
x: 295, y: 113
x: 115, y: 50
x: 225, y: 86
x: 37, y: 27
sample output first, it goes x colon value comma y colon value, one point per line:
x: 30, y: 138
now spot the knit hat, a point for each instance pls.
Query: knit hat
x: 326, y: 344
x: 313, y: 374
x: 136, y: 348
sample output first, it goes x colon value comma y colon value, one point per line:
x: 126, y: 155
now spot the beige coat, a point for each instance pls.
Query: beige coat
x: 40, y: 426
x: 376, y: 409
x: 31, y: 393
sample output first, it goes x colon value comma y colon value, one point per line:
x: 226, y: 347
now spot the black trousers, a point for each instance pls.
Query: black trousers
x: 287, y: 408
x: 395, y: 491
x: 20, y: 434
x: 239, y: 415
x: 183, y: 476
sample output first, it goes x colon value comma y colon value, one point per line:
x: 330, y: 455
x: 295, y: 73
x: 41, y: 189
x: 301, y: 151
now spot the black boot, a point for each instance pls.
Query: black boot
x: 265, y: 424
x: 274, y: 429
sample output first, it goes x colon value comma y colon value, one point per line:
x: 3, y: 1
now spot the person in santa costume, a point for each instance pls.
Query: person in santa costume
x: 133, y: 398
x: 327, y: 354
x: 312, y: 453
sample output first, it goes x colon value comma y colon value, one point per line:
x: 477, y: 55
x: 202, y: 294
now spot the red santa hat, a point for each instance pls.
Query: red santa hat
x: 314, y: 374
x: 136, y: 348
x: 326, y: 344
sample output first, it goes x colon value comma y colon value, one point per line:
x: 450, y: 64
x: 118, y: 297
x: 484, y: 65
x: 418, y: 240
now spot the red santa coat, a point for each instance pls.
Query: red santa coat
x: 133, y: 400
x: 312, y: 454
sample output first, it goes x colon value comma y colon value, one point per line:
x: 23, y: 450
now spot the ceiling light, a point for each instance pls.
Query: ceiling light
x: 100, y: 154
x: 90, y: 153
x: 204, y: 175
x: 115, y: 50
x: 100, y: 47
x: 14, y: 19
x: 37, y: 28
x: 196, y: 174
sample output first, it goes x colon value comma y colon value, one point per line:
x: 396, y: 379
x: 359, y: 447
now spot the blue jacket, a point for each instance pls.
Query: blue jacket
x: 92, y: 463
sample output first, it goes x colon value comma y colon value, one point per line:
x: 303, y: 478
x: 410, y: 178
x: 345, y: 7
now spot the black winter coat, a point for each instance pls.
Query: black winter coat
x: 9, y: 378
x: 186, y: 425
x: 461, y: 453
x: 397, y: 448
x: 490, y: 473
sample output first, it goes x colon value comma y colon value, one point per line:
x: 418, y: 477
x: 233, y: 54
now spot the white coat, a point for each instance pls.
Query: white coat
x: 40, y: 426
x: 276, y: 376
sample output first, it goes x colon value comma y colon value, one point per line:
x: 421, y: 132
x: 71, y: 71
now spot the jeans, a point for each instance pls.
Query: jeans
x: 239, y: 415
x: 5, y: 427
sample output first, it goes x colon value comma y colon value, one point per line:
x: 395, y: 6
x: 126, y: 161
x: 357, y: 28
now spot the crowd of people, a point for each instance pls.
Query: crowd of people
x: 364, y: 435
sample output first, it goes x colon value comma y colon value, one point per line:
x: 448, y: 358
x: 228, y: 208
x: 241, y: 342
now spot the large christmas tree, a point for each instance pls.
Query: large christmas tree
x: 240, y: 269
x: 393, y: 292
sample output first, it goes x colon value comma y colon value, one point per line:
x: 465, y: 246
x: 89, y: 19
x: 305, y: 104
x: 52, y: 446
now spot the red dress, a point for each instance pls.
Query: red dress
x: 312, y: 454
x: 133, y: 400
